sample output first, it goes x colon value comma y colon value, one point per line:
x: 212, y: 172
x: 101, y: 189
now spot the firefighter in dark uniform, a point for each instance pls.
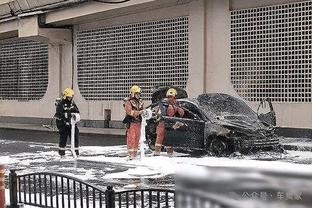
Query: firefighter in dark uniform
x: 133, y: 106
x: 64, y: 110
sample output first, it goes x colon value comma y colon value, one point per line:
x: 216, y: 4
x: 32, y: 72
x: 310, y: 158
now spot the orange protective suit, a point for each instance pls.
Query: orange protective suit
x: 173, y: 110
x: 133, y: 108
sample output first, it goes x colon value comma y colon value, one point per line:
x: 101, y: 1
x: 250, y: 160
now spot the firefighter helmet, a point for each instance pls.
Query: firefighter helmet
x: 171, y: 92
x: 135, y: 89
x: 68, y: 92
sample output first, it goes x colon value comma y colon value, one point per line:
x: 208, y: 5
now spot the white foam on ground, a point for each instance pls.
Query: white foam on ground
x: 7, y: 160
x: 167, y: 166
x: 161, y: 165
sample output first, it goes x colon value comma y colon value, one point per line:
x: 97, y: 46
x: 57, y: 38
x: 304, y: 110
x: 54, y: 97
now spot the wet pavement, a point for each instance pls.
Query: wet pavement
x: 103, y: 162
x: 28, y: 157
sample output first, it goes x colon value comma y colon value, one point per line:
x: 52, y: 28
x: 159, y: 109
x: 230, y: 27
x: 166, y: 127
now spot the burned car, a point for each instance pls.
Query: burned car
x: 218, y: 123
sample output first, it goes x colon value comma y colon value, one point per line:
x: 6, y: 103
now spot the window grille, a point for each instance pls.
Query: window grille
x: 271, y: 52
x: 23, y: 70
x: 150, y: 54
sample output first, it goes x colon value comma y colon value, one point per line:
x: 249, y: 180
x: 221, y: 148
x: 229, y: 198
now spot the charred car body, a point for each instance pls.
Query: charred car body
x: 215, y: 122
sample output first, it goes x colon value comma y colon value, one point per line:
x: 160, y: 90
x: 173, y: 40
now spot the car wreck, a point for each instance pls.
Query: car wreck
x: 218, y: 123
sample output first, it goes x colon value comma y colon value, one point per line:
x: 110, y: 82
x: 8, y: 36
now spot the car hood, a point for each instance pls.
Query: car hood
x: 241, y: 123
x: 160, y: 93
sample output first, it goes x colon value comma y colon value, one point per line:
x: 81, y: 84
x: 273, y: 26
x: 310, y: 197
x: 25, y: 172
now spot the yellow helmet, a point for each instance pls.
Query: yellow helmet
x: 171, y: 92
x: 135, y: 89
x: 68, y: 92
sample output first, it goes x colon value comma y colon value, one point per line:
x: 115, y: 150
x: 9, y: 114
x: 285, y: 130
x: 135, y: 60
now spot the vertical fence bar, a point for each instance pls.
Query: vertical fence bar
x: 87, y: 196
x: 19, y: 191
x: 93, y: 193
x: 75, y: 195
x: 45, y: 190
x: 40, y: 192
x: 167, y: 199
x: 51, y: 191
x: 35, y: 189
x: 56, y: 192
x: 119, y: 200
x: 150, y: 199
x: 142, y: 199
x: 62, y: 189
x: 13, y: 188
x: 29, y: 189
x: 68, y: 192
x: 100, y: 195
x: 110, y: 197
x: 127, y: 199
x: 24, y: 188
x: 81, y: 195
x: 134, y: 199
x: 158, y: 199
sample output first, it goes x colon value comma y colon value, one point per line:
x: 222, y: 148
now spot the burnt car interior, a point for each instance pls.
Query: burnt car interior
x: 191, y: 111
x: 266, y: 112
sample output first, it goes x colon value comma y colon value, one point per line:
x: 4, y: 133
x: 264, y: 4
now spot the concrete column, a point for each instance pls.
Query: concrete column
x: 197, y: 46
x: 218, y: 47
x: 66, y: 68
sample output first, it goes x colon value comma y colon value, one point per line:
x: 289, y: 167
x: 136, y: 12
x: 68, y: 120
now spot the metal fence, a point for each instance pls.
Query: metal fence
x: 46, y: 189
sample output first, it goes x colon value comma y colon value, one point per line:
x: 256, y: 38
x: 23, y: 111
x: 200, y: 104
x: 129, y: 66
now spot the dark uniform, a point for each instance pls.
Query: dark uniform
x: 63, y: 116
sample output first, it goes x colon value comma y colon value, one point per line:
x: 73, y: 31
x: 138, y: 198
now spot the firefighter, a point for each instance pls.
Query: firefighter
x: 133, y: 106
x: 173, y: 109
x: 64, y: 110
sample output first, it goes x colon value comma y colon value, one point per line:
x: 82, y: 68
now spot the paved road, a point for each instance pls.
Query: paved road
x: 86, y: 139
x: 35, y: 151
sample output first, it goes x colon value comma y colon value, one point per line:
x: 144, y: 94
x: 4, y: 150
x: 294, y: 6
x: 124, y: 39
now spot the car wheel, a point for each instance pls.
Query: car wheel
x: 218, y: 147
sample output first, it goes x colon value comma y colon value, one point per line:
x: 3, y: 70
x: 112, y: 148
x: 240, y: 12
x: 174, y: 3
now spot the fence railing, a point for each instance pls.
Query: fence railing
x: 46, y: 189
x: 55, y: 190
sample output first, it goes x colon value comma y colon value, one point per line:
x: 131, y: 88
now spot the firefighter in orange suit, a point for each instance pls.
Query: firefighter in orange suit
x: 173, y: 110
x: 133, y: 106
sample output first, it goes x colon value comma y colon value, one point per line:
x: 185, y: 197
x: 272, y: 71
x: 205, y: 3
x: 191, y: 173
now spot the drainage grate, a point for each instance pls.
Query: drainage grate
x: 149, y: 54
x: 24, y: 70
x: 271, y: 52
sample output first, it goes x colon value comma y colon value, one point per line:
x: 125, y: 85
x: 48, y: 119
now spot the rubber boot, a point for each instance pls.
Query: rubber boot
x: 131, y: 155
x: 169, y: 151
x: 157, y: 150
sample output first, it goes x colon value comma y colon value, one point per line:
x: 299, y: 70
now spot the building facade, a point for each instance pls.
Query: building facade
x: 249, y: 49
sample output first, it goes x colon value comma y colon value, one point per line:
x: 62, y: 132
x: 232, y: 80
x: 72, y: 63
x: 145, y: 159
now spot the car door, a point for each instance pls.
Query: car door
x: 183, y: 132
